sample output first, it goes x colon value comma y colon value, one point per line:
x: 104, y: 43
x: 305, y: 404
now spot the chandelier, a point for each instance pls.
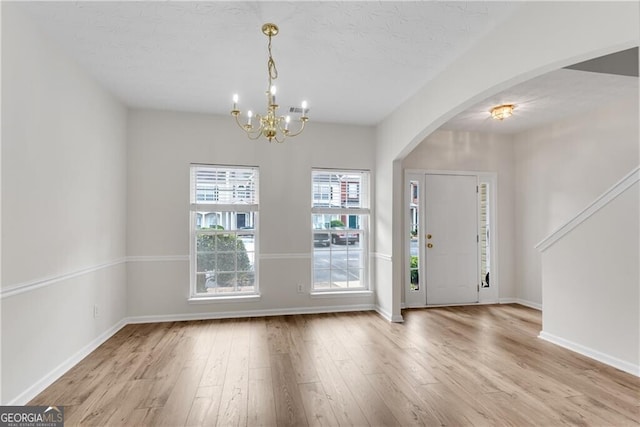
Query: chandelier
x: 270, y: 125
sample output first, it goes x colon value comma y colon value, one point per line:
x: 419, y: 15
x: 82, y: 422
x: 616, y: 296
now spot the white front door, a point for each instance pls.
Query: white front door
x: 451, y: 239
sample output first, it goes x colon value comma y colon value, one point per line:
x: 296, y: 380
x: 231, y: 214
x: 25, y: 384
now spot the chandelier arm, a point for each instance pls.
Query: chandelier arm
x: 254, y: 136
x: 279, y: 120
x: 292, y: 134
x: 250, y: 131
x: 257, y: 131
x: 236, y: 114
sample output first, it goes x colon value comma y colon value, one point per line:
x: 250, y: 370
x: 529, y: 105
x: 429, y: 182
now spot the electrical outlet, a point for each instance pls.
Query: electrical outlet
x: 300, y: 288
x: 96, y: 313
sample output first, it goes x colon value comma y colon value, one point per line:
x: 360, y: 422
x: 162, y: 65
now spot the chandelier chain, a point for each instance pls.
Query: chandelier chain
x: 271, y: 66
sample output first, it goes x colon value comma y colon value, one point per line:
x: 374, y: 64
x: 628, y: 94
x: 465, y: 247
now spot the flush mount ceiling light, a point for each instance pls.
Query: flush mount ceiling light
x: 271, y: 126
x: 503, y: 111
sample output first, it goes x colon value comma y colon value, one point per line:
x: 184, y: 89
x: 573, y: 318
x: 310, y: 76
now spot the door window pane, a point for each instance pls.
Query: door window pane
x: 414, y: 229
x: 485, y: 250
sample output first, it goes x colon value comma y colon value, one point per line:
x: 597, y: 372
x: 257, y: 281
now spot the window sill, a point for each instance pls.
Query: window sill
x: 334, y: 294
x: 233, y: 298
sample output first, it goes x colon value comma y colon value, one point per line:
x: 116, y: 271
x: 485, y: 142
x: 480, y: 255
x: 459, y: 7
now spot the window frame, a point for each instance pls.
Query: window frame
x: 233, y: 209
x: 342, y: 209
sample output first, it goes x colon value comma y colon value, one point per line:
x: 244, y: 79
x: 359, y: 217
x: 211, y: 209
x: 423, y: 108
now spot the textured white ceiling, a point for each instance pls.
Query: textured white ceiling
x: 353, y: 62
x: 550, y: 97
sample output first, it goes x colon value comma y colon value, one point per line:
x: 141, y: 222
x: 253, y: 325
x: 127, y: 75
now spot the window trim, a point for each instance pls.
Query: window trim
x: 224, y: 299
x: 364, y: 211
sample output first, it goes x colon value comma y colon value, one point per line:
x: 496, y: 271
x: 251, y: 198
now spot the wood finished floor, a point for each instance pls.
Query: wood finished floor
x: 480, y: 365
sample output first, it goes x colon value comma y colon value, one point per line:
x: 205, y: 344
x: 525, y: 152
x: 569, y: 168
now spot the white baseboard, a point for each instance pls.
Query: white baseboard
x: 464, y: 304
x: 384, y: 313
x: 397, y: 318
x: 524, y: 302
x: 37, y: 388
x: 248, y: 313
x: 388, y: 316
x: 591, y: 353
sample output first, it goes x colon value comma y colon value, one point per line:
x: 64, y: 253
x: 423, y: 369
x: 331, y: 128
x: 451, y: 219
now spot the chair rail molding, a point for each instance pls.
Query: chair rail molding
x: 32, y: 285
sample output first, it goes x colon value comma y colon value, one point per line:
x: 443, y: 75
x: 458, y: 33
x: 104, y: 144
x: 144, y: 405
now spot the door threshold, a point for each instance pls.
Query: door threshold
x: 451, y: 305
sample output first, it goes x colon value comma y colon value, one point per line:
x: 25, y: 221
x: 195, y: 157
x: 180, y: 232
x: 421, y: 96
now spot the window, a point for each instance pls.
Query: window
x: 485, y: 221
x: 414, y: 228
x: 340, y: 223
x: 205, y: 193
x: 224, y: 229
x: 321, y: 194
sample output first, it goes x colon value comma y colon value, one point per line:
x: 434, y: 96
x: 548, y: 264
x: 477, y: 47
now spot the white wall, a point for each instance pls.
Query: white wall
x: 63, y: 208
x: 591, y: 280
x: 573, y: 31
x: 161, y: 147
x: 479, y: 152
x: 560, y: 169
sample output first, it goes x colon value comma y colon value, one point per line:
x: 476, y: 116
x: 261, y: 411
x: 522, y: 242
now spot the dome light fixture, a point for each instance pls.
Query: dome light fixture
x: 503, y: 111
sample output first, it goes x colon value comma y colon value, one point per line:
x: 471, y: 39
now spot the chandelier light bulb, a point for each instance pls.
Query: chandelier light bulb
x: 235, y: 101
x: 249, y: 115
x: 286, y: 122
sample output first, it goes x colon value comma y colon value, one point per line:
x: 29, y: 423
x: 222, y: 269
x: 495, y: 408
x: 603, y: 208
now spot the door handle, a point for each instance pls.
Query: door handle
x: 429, y: 245
x: 429, y: 236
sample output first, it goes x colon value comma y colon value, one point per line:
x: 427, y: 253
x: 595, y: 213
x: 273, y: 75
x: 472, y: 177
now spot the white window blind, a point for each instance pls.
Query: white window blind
x: 334, y: 189
x: 222, y: 185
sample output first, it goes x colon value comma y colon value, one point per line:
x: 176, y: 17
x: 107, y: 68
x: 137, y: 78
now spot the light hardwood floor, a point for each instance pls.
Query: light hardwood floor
x: 475, y: 365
